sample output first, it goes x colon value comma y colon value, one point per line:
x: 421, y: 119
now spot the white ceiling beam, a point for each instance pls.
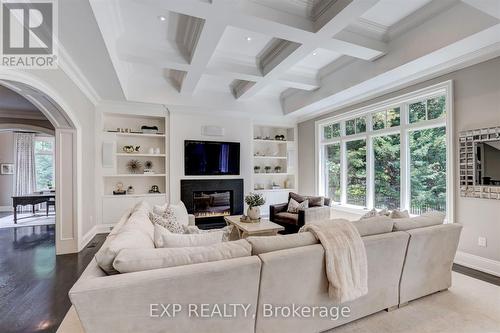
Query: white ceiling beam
x: 202, y: 53
x: 346, y: 14
x: 490, y: 7
x: 299, y: 82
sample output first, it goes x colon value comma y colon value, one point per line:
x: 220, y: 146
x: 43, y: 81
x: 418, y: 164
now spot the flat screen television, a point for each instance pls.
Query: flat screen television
x: 206, y: 158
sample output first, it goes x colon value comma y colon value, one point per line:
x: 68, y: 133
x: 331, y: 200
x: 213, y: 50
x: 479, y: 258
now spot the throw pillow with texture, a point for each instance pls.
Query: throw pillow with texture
x: 168, y: 221
x: 165, y: 238
x: 398, y: 214
x: 294, y: 206
x: 178, y: 210
x: 227, y: 231
x: 370, y: 214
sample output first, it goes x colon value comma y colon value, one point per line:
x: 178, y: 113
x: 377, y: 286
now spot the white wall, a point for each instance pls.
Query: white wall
x: 188, y: 126
x: 476, y: 105
x: 6, y: 181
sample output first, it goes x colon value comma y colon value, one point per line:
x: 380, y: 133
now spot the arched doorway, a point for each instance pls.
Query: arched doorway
x: 67, y: 160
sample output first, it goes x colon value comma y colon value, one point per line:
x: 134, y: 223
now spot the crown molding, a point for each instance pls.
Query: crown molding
x: 68, y: 65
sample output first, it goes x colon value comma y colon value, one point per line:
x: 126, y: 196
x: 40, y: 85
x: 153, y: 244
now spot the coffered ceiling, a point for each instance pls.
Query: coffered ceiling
x: 286, y: 57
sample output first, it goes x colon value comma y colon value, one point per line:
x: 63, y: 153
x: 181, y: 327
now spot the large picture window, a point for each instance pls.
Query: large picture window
x: 44, y: 163
x: 393, y: 155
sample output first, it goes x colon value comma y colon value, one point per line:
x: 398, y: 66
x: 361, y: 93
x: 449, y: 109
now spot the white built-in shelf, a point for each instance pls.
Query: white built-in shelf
x: 273, y: 174
x: 140, y: 195
x: 145, y: 135
x: 140, y: 155
x: 271, y: 157
x: 272, y: 141
x: 137, y: 175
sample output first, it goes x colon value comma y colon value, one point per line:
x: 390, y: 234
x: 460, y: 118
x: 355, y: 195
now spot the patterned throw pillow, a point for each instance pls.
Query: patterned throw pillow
x: 167, y: 220
x: 398, y: 214
x: 294, y: 206
x: 370, y: 214
x: 227, y: 236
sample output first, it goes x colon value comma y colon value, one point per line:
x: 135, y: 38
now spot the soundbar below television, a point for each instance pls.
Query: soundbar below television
x: 210, y: 158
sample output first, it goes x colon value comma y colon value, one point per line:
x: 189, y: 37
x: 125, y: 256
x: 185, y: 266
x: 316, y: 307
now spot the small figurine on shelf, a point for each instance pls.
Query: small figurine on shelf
x: 148, y: 167
x: 275, y: 186
x: 277, y: 169
x: 134, y: 166
x: 279, y: 137
x: 154, y: 189
x: 130, y: 190
x: 129, y: 149
x: 256, y: 169
x: 267, y: 168
x: 119, y: 189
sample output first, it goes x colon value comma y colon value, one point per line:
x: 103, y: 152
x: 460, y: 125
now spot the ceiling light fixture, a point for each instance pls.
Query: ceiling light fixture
x: 249, y: 39
x: 162, y: 18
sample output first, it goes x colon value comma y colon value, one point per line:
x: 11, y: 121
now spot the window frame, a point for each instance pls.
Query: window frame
x: 49, y: 153
x: 404, y: 130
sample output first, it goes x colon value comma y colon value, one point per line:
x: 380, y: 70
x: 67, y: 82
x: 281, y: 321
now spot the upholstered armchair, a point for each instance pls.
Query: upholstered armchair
x: 318, y: 210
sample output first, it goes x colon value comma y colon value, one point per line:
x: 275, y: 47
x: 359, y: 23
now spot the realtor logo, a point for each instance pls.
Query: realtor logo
x: 28, y: 33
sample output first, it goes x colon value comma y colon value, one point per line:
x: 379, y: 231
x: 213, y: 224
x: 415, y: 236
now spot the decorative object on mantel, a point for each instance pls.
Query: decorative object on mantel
x: 134, y: 166
x: 149, y: 129
x: 256, y: 169
x: 254, y: 201
x: 277, y: 169
x: 7, y: 169
x: 131, y: 149
x: 130, y: 190
x: 473, y: 183
x: 119, y: 189
x: 267, y: 168
x: 154, y: 189
x: 275, y: 186
x: 148, y: 167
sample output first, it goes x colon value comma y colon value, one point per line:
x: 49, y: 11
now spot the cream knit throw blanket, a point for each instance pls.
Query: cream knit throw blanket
x: 345, y: 256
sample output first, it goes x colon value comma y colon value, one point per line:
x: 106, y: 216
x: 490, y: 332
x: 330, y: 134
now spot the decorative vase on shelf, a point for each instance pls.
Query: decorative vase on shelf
x: 253, y: 213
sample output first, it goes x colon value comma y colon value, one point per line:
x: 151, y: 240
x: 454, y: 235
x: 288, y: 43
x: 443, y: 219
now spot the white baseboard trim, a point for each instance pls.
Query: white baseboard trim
x: 97, y: 229
x: 479, y: 263
x: 6, y: 209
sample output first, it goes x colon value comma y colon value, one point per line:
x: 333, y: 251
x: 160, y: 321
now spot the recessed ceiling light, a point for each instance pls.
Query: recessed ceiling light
x: 162, y: 18
x: 315, y: 53
x: 249, y: 39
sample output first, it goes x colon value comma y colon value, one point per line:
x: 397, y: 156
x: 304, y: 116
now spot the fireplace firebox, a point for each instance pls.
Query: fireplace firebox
x: 209, y: 200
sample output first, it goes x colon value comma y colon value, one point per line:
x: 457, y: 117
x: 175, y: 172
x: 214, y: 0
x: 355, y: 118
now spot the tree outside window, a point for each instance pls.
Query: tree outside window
x: 356, y: 172
x: 386, y: 151
x: 44, y: 163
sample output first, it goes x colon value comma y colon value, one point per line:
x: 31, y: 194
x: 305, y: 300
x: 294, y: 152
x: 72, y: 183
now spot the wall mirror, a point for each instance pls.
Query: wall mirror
x: 487, y: 157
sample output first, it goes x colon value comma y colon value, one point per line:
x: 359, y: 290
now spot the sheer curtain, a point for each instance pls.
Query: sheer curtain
x: 25, y: 179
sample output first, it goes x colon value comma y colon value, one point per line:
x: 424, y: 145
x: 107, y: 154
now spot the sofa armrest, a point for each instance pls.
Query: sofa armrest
x: 132, y: 302
x: 275, y: 209
x: 314, y: 214
x: 192, y: 219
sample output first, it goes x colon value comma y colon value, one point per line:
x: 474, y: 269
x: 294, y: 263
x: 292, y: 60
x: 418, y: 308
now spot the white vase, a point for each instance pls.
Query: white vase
x: 253, y: 213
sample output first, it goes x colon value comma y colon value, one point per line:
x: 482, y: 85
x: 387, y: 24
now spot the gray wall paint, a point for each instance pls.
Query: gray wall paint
x: 6, y: 156
x: 476, y: 92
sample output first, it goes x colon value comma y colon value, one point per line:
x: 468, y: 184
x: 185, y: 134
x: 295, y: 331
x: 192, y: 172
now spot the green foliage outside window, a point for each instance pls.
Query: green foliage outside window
x: 44, y: 164
x: 332, y: 158
x: 356, y: 172
x: 387, y: 150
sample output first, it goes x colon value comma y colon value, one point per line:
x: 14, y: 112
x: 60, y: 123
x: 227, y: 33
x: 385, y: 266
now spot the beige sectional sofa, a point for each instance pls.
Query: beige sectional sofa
x: 282, y: 270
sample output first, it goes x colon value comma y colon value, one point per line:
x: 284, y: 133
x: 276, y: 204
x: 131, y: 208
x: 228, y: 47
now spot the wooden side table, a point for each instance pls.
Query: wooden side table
x: 262, y: 228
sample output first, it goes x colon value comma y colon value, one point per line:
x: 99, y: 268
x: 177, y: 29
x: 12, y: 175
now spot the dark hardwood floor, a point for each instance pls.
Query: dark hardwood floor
x: 34, y: 282
x: 477, y: 274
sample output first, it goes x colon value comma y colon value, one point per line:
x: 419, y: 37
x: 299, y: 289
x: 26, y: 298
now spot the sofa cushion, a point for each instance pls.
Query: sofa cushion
x: 178, y: 211
x: 374, y: 225
x: 297, y: 197
x: 146, y: 259
x: 264, y: 244
x: 316, y: 201
x: 422, y: 221
x: 137, y: 232
x: 165, y: 238
x: 313, y: 200
x: 287, y: 218
x: 294, y: 206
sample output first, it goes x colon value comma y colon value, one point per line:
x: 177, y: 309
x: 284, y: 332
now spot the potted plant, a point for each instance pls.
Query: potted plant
x: 256, y: 169
x: 254, y: 201
x: 267, y: 168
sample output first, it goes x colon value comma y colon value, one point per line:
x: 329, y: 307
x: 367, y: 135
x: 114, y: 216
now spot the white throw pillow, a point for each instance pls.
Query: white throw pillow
x: 165, y: 238
x: 370, y: 214
x: 168, y: 220
x: 398, y: 214
x: 180, y: 213
x: 294, y: 206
